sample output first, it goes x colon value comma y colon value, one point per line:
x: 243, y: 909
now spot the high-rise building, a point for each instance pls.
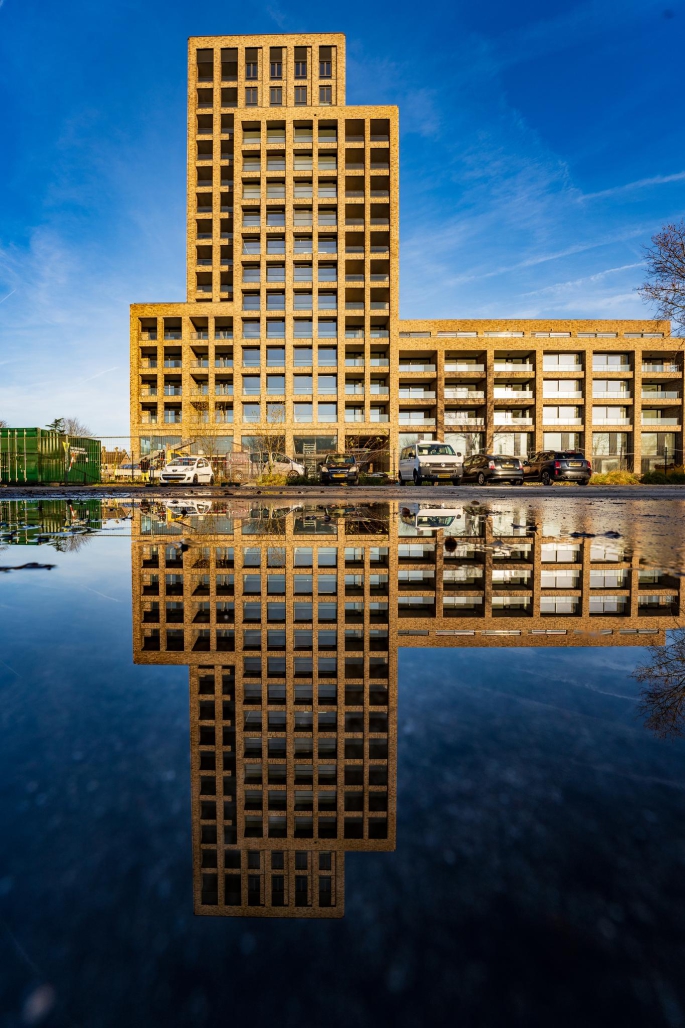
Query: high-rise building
x: 290, y: 333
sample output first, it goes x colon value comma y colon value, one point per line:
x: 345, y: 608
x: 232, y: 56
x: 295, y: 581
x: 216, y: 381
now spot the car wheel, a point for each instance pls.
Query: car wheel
x: 584, y: 481
x: 211, y: 480
x: 517, y: 481
x: 456, y: 481
x: 482, y: 480
x: 292, y: 474
x: 417, y: 478
x: 194, y: 479
x: 546, y: 479
x: 401, y: 480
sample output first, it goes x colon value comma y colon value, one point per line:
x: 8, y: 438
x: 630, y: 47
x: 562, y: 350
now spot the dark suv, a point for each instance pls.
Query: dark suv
x: 339, y: 467
x: 551, y: 466
x: 485, y: 467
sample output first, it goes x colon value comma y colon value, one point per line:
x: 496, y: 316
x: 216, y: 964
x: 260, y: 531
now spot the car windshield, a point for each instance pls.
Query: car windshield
x: 182, y: 462
x: 340, y: 458
x: 436, y: 450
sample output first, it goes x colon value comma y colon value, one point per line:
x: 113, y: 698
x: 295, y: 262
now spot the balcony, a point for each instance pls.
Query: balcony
x: 200, y: 362
x: 171, y: 334
x: 354, y: 362
x: 605, y: 394
x: 378, y: 416
x: 354, y: 415
x: 455, y: 393
x: 223, y: 362
x: 467, y: 367
x: 172, y: 417
x: 503, y: 420
x: 149, y: 362
x: 659, y: 422
x: 454, y: 418
x: 508, y: 366
x: 224, y: 417
x: 379, y: 362
x: 173, y: 362
x: 204, y: 334
x: 149, y: 335
x: 224, y: 333
x: 561, y: 397
x: 377, y: 390
x: 416, y: 394
x: 513, y: 394
x: 409, y: 418
x: 561, y: 421
x: 411, y: 367
x: 660, y: 394
x: 173, y: 390
x: 149, y: 391
x: 354, y: 390
x: 662, y: 367
x: 149, y: 418
x: 623, y: 422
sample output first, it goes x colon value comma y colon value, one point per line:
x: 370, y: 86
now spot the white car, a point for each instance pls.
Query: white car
x: 187, y: 471
x: 129, y: 471
x: 430, y: 462
x: 279, y: 463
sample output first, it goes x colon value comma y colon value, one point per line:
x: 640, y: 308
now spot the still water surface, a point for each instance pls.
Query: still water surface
x: 373, y: 765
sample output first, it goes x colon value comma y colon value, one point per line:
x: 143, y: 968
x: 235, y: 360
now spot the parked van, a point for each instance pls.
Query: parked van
x: 430, y: 462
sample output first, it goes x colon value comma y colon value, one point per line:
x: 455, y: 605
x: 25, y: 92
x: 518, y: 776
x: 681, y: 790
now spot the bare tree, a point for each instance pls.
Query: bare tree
x: 665, y: 284
x: 72, y: 426
x: 662, y: 700
x: 3, y: 423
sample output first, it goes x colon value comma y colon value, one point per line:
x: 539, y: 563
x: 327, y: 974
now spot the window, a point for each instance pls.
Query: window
x: 324, y: 69
x: 250, y: 273
x: 328, y: 301
x: 275, y: 245
x: 251, y: 217
x: 327, y: 383
x: 251, y: 96
x: 275, y: 329
x: 251, y: 385
x: 251, y: 70
x: 275, y: 384
x: 303, y: 273
x: 300, y: 95
x: 302, y: 384
x: 251, y: 246
x: 250, y: 301
x: 276, y: 70
x: 302, y: 301
x: 302, y: 329
x: 275, y: 357
x: 275, y: 301
x: 302, y: 357
x: 325, y: 95
x: 275, y: 162
x: 300, y: 69
x: 328, y: 356
x: 276, y: 94
x: 251, y: 357
x: 304, y: 412
x: 275, y: 273
x: 328, y: 273
x: 251, y: 412
x: 328, y: 412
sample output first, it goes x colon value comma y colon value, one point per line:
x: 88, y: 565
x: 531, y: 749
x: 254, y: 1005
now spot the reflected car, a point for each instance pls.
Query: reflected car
x: 339, y: 467
x: 484, y: 468
x: 551, y: 466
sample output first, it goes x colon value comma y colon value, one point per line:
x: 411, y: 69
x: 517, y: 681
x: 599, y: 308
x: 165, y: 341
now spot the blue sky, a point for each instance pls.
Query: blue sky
x: 542, y: 145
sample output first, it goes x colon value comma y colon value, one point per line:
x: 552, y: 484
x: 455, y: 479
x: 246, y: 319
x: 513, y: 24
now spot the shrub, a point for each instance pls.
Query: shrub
x: 271, y: 479
x: 674, y: 476
x: 615, y: 478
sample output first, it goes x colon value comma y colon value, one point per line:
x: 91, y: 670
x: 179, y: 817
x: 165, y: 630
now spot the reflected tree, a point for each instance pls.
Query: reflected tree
x: 662, y: 676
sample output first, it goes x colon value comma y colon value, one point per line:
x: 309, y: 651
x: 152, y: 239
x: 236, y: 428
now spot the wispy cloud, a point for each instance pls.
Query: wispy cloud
x: 629, y: 187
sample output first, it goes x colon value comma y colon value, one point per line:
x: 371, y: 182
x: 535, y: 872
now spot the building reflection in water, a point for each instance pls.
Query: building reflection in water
x: 290, y: 620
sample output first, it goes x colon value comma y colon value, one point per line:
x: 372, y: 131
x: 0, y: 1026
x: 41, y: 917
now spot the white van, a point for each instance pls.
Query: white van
x: 430, y: 462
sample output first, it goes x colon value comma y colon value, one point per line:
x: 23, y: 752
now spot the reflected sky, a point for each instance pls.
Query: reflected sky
x: 535, y: 872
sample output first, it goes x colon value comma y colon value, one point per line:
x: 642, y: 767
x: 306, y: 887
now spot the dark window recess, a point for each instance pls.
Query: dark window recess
x: 277, y: 860
x: 325, y: 892
x: 300, y: 860
x: 277, y: 890
x: 301, y: 890
x: 233, y: 898
x: 210, y: 890
x: 254, y: 892
x: 324, y: 861
x: 232, y: 859
x: 254, y: 860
